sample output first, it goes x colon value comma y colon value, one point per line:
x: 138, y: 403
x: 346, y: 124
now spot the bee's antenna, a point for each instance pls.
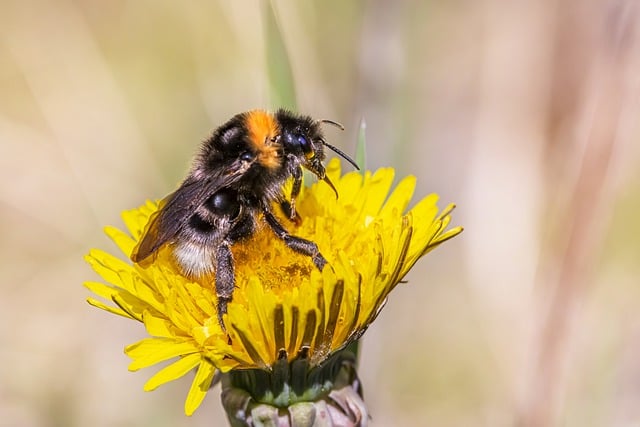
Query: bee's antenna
x: 331, y: 122
x: 341, y: 153
x: 337, y: 150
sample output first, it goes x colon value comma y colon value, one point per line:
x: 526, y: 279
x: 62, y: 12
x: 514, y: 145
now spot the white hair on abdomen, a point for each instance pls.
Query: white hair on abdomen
x: 196, y: 260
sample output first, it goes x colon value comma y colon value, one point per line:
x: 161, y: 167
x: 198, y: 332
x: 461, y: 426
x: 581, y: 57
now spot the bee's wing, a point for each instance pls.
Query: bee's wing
x: 174, y: 212
x: 151, y: 240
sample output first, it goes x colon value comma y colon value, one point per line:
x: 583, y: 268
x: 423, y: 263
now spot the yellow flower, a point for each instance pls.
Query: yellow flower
x: 283, y: 306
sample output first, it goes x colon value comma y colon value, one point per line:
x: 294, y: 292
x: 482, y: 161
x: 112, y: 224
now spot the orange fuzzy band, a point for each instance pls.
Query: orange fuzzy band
x: 263, y: 128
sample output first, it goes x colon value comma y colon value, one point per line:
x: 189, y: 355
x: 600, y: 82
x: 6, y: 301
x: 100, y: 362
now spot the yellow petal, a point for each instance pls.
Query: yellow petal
x: 150, y: 351
x: 136, y: 219
x: 102, y: 290
x: 121, y: 239
x: 158, y: 326
x: 113, y: 310
x: 400, y: 198
x: 111, y: 269
x: 376, y: 190
x: 199, y: 387
x: 173, y: 371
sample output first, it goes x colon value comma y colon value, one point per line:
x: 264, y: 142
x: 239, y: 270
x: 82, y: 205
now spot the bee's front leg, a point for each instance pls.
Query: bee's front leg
x: 225, y: 279
x: 295, y: 191
x: 288, y: 211
x: 289, y: 207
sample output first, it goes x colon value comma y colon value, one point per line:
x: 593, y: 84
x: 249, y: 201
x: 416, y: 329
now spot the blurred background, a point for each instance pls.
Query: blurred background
x: 522, y: 113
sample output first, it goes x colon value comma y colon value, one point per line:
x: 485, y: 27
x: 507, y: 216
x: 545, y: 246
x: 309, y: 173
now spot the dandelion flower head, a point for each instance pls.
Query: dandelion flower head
x: 283, y: 307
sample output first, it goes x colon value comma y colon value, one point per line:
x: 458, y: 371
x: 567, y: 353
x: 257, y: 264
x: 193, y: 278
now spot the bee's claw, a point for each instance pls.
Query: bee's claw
x: 319, y: 261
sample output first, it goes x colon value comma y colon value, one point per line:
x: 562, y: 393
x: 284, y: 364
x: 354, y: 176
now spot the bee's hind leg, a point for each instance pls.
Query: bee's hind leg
x: 225, y: 269
x: 298, y: 244
x: 225, y: 279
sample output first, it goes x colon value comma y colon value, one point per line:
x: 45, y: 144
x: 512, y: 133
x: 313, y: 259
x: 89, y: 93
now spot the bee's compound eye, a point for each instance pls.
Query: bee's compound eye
x: 224, y: 203
x: 247, y: 156
x: 304, y: 144
x: 296, y: 142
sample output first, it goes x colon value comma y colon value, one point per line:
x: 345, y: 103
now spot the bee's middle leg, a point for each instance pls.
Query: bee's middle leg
x: 298, y: 244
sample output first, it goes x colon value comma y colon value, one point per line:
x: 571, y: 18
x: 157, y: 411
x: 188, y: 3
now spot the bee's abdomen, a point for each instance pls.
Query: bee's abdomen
x: 224, y: 203
x: 196, y: 259
x: 200, y: 224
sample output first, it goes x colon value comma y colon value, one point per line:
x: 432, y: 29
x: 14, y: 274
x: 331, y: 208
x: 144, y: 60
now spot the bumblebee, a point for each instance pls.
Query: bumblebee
x: 234, y: 181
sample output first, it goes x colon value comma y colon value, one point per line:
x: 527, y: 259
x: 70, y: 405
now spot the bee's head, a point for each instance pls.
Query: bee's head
x: 301, y: 137
x: 304, y: 143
